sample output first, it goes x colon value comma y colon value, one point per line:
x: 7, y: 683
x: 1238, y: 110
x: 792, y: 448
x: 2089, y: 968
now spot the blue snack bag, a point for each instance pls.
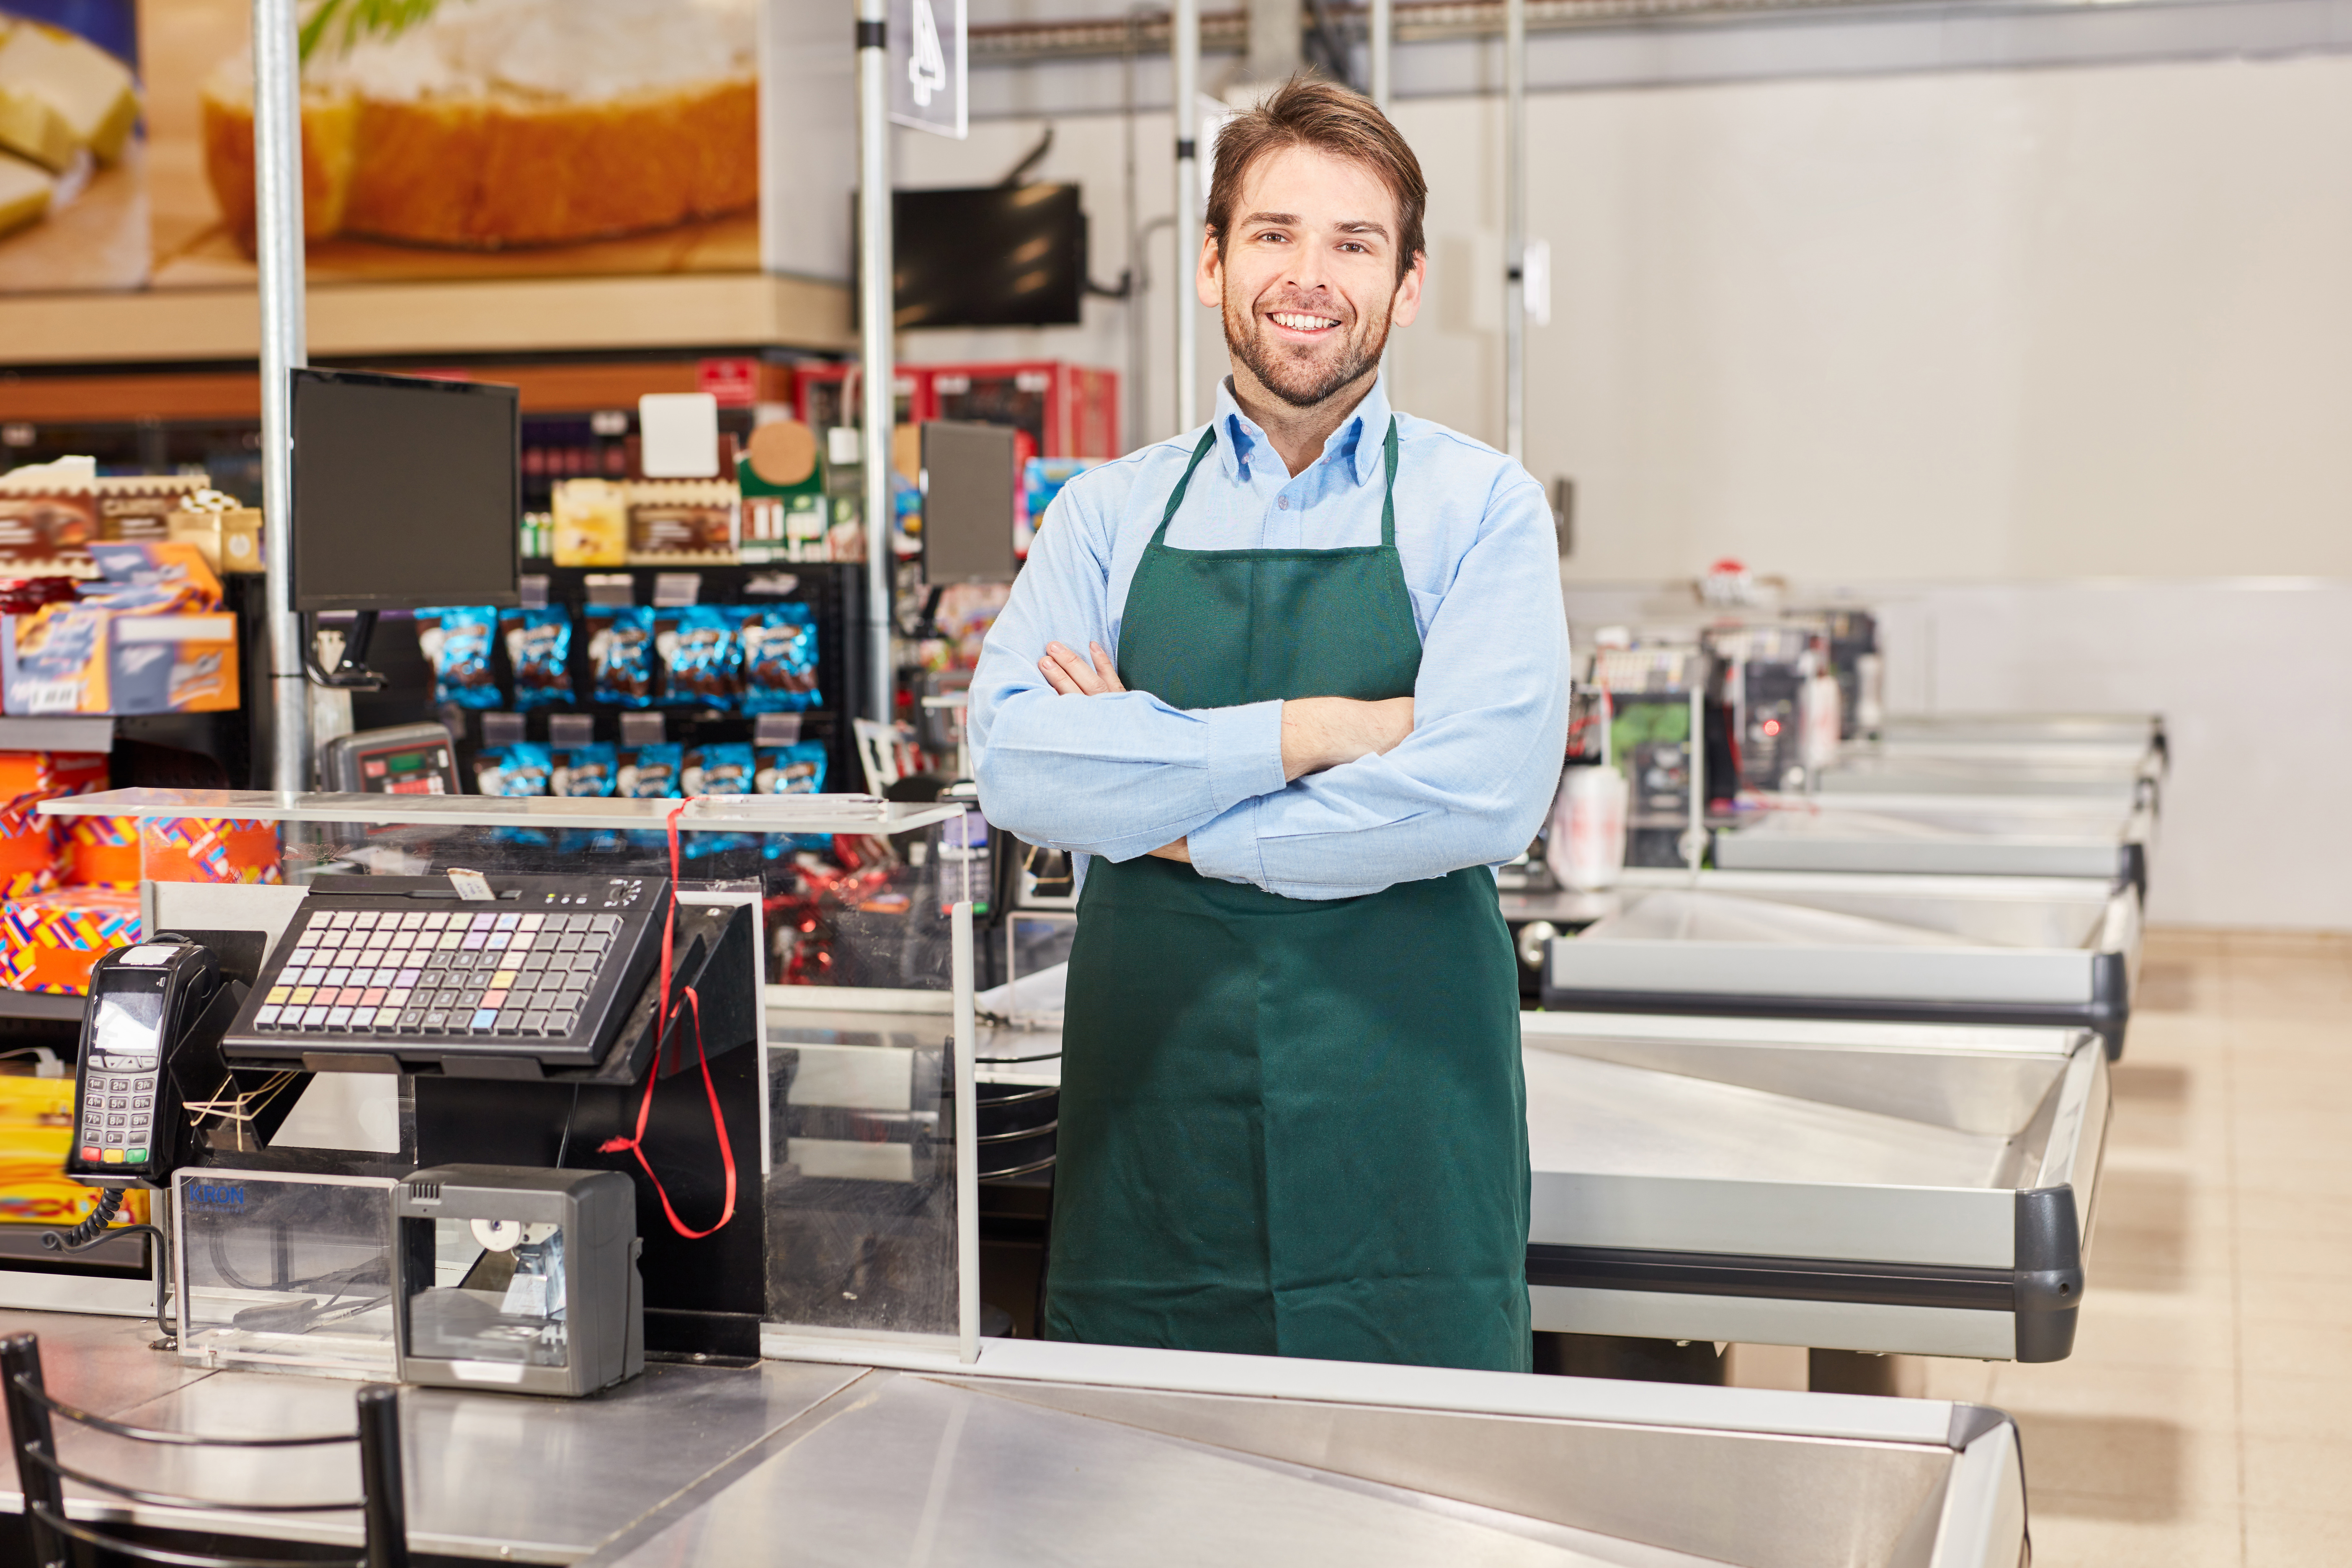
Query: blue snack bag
x: 539, y: 650
x: 590, y: 770
x: 702, y: 658
x: 455, y: 640
x: 779, y: 643
x: 518, y: 770
x: 651, y: 772
x: 796, y: 769
x: 621, y: 649
x: 724, y: 767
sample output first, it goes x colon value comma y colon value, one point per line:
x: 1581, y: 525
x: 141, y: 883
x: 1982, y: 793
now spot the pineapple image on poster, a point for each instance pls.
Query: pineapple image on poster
x: 472, y: 138
x: 73, y: 202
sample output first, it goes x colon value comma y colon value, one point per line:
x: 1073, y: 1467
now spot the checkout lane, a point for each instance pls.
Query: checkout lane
x: 1454, y: 1463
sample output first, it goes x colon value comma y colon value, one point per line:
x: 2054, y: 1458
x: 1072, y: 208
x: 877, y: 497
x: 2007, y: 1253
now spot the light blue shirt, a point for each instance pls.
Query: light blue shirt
x: 1120, y: 775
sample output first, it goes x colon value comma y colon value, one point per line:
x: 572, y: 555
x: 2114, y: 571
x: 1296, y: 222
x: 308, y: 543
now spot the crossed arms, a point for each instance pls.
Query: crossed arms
x: 1318, y: 798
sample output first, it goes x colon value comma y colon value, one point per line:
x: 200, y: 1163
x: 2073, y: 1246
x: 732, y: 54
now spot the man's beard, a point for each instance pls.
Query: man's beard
x: 1301, y: 383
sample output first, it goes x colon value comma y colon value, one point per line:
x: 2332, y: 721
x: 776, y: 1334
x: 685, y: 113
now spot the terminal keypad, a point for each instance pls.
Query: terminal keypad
x: 417, y: 973
x: 537, y: 971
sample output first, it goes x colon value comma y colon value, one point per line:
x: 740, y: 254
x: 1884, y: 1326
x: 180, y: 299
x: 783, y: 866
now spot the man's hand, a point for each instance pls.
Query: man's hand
x: 1071, y: 675
x: 1320, y: 733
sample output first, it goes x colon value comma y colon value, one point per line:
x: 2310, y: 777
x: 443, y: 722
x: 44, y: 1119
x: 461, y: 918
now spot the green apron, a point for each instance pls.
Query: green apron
x: 1288, y: 1126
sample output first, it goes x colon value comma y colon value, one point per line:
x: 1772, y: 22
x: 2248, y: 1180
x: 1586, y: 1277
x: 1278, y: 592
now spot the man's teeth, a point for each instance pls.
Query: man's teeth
x: 1298, y: 323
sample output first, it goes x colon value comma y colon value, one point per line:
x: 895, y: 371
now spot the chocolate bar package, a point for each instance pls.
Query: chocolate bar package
x: 621, y: 649
x: 539, y: 650
x: 702, y: 660
x: 779, y: 651
x: 456, y: 641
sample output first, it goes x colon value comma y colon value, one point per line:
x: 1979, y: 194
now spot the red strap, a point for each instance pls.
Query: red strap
x: 635, y: 1144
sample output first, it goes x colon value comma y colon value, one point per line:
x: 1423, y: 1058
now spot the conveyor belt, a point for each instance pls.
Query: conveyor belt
x: 1605, y: 1117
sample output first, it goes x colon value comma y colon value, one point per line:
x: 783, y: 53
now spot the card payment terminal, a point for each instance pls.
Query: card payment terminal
x: 146, y: 1005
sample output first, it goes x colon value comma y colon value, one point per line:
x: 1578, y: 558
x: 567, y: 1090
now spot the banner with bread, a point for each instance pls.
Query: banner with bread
x: 440, y: 139
x: 73, y: 200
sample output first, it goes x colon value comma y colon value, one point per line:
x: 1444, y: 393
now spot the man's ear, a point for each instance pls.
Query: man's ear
x: 1407, y: 303
x: 1209, y: 276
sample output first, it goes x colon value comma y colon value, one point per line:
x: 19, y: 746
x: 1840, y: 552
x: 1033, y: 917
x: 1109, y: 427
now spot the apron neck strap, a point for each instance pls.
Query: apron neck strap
x: 1388, y: 495
x: 1208, y: 442
x: 1176, y: 496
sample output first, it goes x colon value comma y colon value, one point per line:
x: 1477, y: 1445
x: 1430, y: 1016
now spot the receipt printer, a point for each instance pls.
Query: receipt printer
x: 516, y: 1277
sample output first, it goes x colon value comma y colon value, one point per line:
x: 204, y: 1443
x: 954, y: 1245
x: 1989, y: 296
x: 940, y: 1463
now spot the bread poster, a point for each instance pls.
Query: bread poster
x: 441, y: 139
x: 73, y: 196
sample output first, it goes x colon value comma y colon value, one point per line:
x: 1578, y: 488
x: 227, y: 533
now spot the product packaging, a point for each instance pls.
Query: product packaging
x: 30, y: 860
x: 150, y: 637
x: 35, y: 1136
x: 724, y: 767
x: 702, y: 661
x: 211, y: 850
x: 682, y: 521
x: 621, y: 651
x: 590, y: 770
x: 591, y: 523
x: 456, y: 641
x: 796, y: 769
x: 54, y: 938
x: 101, y: 851
x: 651, y: 772
x: 539, y: 651
x: 779, y: 652
x: 524, y: 768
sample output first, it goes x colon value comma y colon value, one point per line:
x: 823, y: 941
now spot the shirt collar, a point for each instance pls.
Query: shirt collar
x: 1357, y: 442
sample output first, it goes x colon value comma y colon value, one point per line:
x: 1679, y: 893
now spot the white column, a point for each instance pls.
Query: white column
x: 278, y: 249
x: 1515, y: 228
x: 1184, y: 50
x: 877, y: 374
x: 1383, y: 28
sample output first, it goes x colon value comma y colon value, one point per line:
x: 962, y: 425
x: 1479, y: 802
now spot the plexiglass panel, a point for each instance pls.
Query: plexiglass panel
x: 285, y: 1270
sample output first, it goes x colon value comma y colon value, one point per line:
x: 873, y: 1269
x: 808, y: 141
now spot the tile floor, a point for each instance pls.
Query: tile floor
x: 2206, y: 1415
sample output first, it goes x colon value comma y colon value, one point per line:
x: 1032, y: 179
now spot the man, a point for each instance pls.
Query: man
x: 1322, y: 694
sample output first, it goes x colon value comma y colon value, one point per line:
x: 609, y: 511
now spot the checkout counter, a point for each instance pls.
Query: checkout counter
x: 834, y: 1399
x: 1797, y: 944
x: 1965, y: 836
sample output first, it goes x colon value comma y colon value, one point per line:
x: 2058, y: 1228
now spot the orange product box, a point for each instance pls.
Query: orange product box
x: 55, y: 937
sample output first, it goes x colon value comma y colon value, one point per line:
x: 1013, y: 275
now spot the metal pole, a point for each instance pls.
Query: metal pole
x: 1383, y: 35
x: 1184, y: 47
x: 278, y: 247
x: 874, y: 340
x: 1515, y: 228
x: 384, y: 1487
x: 967, y: 1124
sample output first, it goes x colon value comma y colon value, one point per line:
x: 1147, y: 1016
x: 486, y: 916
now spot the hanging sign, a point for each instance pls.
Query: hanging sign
x: 929, y: 63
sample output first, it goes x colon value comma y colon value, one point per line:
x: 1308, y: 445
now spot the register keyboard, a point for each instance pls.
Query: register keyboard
x: 544, y: 972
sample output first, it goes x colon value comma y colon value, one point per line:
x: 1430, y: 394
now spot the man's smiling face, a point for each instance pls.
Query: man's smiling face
x: 1306, y: 276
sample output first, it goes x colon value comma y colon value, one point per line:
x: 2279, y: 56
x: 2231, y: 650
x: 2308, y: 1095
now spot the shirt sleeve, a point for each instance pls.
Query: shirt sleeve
x: 1470, y: 786
x: 1118, y: 775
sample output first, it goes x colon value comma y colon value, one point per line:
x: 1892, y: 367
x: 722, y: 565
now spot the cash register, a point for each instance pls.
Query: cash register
x: 410, y: 972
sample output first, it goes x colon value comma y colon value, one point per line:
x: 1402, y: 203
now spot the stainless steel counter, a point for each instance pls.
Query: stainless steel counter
x: 1086, y: 1454
x: 522, y: 1479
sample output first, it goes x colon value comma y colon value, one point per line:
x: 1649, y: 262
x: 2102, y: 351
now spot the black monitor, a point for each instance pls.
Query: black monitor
x: 407, y: 491
x: 993, y: 256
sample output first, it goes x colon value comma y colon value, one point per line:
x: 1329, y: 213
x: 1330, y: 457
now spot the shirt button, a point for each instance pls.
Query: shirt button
x: 1283, y: 503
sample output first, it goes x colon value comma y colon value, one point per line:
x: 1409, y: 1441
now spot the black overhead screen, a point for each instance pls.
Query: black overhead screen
x: 406, y: 492
x: 995, y: 257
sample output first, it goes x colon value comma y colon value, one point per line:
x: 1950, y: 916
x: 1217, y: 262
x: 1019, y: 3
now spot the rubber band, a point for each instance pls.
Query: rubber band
x: 635, y: 1144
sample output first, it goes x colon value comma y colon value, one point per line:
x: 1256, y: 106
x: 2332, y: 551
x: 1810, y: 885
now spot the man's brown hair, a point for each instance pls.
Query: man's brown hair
x: 1307, y: 111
